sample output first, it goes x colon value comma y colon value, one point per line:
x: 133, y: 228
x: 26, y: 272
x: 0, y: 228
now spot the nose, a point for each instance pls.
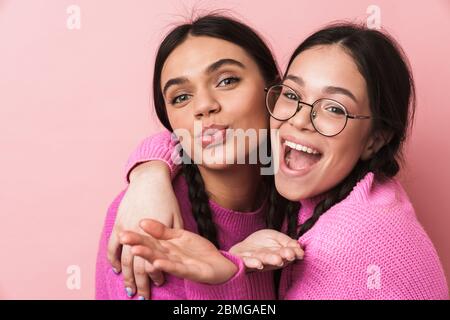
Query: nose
x: 302, y: 119
x: 205, y: 104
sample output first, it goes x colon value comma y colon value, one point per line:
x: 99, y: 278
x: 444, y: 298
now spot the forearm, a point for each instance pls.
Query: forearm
x: 241, y: 286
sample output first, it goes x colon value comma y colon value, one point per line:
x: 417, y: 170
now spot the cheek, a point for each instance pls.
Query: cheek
x: 180, y: 119
x: 340, y: 159
x: 342, y: 155
x: 347, y: 147
x: 274, y: 124
x: 247, y: 108
x: 182, y: 123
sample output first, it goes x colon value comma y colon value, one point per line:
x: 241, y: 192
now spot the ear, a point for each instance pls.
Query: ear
x: 375, y: 142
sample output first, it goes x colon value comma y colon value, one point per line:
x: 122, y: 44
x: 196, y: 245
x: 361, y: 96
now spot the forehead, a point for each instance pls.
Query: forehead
x: 195, y: 54
x: 328, y: 65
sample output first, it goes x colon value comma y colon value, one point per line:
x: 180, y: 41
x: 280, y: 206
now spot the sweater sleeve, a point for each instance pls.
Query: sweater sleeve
x: 370, y: 253
x: 161, y: 146
x: 104, y: 277
x: 242, y: 286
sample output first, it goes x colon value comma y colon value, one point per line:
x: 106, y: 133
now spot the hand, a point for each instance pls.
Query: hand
x: 267, y: 250
x: 149, y: 195
x: 179, y: 252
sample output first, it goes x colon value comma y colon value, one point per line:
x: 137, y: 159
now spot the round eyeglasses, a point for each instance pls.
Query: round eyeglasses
x: 328, y: 116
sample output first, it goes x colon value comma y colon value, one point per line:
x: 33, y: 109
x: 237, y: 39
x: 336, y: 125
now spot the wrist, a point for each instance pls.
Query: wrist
x: 229, y: 270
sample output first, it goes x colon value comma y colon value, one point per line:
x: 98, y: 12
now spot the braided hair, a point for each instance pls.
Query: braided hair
x: 200, y: 203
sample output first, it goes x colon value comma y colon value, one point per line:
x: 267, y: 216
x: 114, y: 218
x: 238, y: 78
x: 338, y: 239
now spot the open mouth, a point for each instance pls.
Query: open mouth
x: 298, y: 157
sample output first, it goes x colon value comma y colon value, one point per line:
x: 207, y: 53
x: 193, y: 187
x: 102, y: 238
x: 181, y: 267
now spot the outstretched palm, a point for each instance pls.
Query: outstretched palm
x: 181, y: 253
x: 267, y: 249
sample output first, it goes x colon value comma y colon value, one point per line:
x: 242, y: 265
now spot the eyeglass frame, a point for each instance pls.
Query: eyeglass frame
x: 299, y: 107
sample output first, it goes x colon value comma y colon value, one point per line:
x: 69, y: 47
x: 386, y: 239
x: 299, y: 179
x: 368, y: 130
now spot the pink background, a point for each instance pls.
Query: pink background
x: 74, y: 104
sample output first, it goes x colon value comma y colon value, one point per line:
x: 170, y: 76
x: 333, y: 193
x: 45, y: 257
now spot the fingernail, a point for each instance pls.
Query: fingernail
x: 260, y: 267
x: 157, y: 284
x: 141, y: 298
x: 115, y: 270
x: 129, y: 292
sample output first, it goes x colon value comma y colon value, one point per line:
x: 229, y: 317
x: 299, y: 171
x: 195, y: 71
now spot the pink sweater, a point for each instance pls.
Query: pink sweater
x: 368, y: 246
x: 232, y: 227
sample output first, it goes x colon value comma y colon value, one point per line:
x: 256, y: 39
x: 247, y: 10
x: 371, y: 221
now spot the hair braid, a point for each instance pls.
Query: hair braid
x: 200, y: 203
x: 335, y: 195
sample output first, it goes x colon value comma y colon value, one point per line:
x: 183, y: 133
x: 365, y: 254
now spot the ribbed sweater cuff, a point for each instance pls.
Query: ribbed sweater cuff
x: 234, y: 289
x: 160, y: 147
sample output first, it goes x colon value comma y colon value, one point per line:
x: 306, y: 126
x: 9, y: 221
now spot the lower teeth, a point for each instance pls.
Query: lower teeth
x: 300, y: 161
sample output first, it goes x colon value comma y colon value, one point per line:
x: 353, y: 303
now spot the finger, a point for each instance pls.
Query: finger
x: 252, y: 263
x: 132, y: 238
x: 168, y: 252
x: 273, y: 259
x: 141, y: 278
x: 287, y: 254
x: 285, y: 240
x: 155, y: 275
x: 158, y: 230
x: 299, y: 253
x: 128, y: 271
x: 295, y: 245
x: 114, y: 251
x: 148, y: 254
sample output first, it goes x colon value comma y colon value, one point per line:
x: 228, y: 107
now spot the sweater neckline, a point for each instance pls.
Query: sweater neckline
x: 221, y: 210
x: 360, y: 193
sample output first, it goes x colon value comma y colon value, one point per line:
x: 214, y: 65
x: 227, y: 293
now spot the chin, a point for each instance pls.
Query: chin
x: 290, y: 190
x: 215, y: 166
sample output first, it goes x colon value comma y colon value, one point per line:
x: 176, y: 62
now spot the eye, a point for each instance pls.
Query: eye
x: 228, y: 81
x: 180, y: 99
x: 336, y: 110
x: 290, y: 95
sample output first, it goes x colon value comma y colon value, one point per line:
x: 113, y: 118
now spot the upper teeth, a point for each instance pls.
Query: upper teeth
x: 299, y: 147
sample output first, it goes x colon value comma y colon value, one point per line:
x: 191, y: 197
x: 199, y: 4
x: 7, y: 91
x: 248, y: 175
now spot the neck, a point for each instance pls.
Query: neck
x: 238, y: 187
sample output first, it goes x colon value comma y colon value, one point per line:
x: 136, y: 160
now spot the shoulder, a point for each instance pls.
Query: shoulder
x: 375, y: 215
x: 376, y: 209
x: 375, y: 229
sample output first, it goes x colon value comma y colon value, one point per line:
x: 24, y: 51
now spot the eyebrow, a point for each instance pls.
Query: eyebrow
x: 296, y: 79
x: 222, y: 62
x: 339, y: 90
x: 328, y: 89
x: 174, y: 81
x: 210, y: 69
